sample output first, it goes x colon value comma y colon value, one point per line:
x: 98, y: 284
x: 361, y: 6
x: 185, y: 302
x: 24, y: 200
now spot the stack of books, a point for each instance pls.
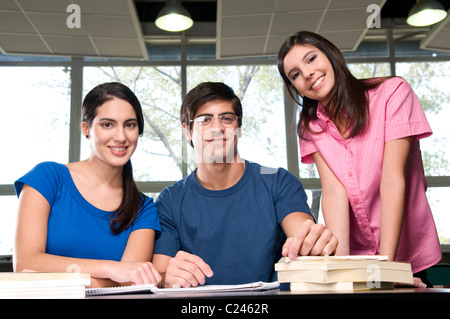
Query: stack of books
x: 342, y: 273
x: 43, y: 285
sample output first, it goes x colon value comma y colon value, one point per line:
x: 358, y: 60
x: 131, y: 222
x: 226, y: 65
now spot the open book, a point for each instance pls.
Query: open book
x: 254, y: 286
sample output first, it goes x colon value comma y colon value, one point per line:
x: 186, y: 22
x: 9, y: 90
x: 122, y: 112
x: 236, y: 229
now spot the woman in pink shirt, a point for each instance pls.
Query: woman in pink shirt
x: 363, y: 136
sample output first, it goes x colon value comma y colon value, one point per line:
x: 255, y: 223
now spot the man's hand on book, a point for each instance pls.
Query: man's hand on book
x: 310, y: 239
x: 186, y: 270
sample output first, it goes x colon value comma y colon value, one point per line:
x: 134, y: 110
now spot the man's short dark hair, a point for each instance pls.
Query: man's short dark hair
x: 207, y: 92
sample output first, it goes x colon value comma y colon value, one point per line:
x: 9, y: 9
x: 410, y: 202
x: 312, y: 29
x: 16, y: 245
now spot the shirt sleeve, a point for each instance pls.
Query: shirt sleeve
x: 44, y: 178
x: 404, y: 114
x: 148, y: 216
x: 167, y: 242
x: 308, y: 144
x: 291, y: 196
x: 307, y: 147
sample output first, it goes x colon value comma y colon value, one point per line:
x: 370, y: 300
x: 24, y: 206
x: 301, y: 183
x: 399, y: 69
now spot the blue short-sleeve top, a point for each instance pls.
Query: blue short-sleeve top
x: 76, y: 228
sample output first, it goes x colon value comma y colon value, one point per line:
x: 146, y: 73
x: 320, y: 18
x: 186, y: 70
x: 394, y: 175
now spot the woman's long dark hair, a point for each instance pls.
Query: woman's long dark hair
x: 348, y: 96
x: 132, y: 198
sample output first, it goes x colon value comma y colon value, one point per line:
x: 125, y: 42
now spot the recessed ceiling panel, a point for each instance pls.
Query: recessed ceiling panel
x: 299, y: 6
x: 248, y: 46
x: 60, y: 45
x: 439, y: 36
x: 243, y: 7
x: 21, y: 43
x: 41, y: 28
x: 47, y: 6
x: 105, y: 7
x: 122, y: 47
x: 255, y: 25
x: 46, y: 24
x: 110, y: 26
x: 342, y: 21
x: 14, y: 21
x: 287, y: 23
x: 274, y: 43
x: 345, y: 41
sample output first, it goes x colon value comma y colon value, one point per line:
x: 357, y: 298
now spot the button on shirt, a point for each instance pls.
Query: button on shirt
x: 395, y: 112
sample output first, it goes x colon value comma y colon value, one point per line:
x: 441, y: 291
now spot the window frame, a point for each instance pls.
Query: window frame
x: 77, y: 64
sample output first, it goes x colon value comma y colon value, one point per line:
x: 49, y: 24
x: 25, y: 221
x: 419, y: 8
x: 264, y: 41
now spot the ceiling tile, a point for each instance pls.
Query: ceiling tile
x: 40, y: 27
x: 104, y: 7
x: 287, y: 17
x: 9, y: 5
x: 274, y: 43
x: 55, y: 24
x: 290, y: 6
x: 239, y: 7
x: 14, y: 22
x: 345, y: 41
x: 287, y: 23
x: 127, y: 48
x: 71, y: 45
x: 107, y: 26
x: 22, y: 44
x: 439, y: 42
x: 348, y: 19
x: 438, y: 37
x: 57, y: 6
x: 255, y: 25
x: 345, y: 4
x: 247, y: 46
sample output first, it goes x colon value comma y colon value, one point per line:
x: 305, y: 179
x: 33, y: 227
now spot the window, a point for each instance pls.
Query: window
x: 369, y: 70
x: 261, y: 92
x: 35, y: 126
x: 34, y: 118
x: 8, y: 211
x: 429, y: 82
x: 158, y: 156
x: 38, y: 118
x: 439, y: 200
x: 309, y: 171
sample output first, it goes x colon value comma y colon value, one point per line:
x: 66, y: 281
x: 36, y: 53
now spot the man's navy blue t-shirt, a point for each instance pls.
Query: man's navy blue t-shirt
x: 236, y: 231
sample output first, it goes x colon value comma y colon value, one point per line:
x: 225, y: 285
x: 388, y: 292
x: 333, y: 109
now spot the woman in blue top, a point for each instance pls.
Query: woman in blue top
x: 89, y: 216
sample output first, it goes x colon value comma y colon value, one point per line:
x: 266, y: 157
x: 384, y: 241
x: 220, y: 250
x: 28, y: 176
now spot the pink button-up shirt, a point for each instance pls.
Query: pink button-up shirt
x: 395, y: 112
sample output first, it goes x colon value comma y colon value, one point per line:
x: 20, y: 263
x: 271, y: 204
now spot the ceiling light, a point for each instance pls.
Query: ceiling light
x: 173, y: 17
x: 426, y: 12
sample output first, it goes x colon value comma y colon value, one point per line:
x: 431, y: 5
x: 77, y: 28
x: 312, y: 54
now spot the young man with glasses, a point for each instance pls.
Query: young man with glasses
x: 227, y: 222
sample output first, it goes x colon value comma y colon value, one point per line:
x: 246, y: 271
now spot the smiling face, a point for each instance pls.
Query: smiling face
x: 215, y: 143
x: 114, y: 132
x: 310, y: 71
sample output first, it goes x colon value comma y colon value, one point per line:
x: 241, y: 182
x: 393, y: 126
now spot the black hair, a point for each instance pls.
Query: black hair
x: 207, y: 92
x: 348, y: 96
x: 132, y: 198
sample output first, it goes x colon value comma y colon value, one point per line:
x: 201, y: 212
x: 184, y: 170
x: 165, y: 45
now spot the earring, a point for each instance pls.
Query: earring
x: 87, y: 136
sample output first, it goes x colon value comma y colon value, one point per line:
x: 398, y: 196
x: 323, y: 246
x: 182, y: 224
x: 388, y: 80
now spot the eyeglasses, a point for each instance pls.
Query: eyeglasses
x: 207, y: 120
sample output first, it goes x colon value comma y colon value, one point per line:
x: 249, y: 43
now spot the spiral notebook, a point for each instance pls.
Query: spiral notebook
x: 140, y: 289
x: 120, y: 290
